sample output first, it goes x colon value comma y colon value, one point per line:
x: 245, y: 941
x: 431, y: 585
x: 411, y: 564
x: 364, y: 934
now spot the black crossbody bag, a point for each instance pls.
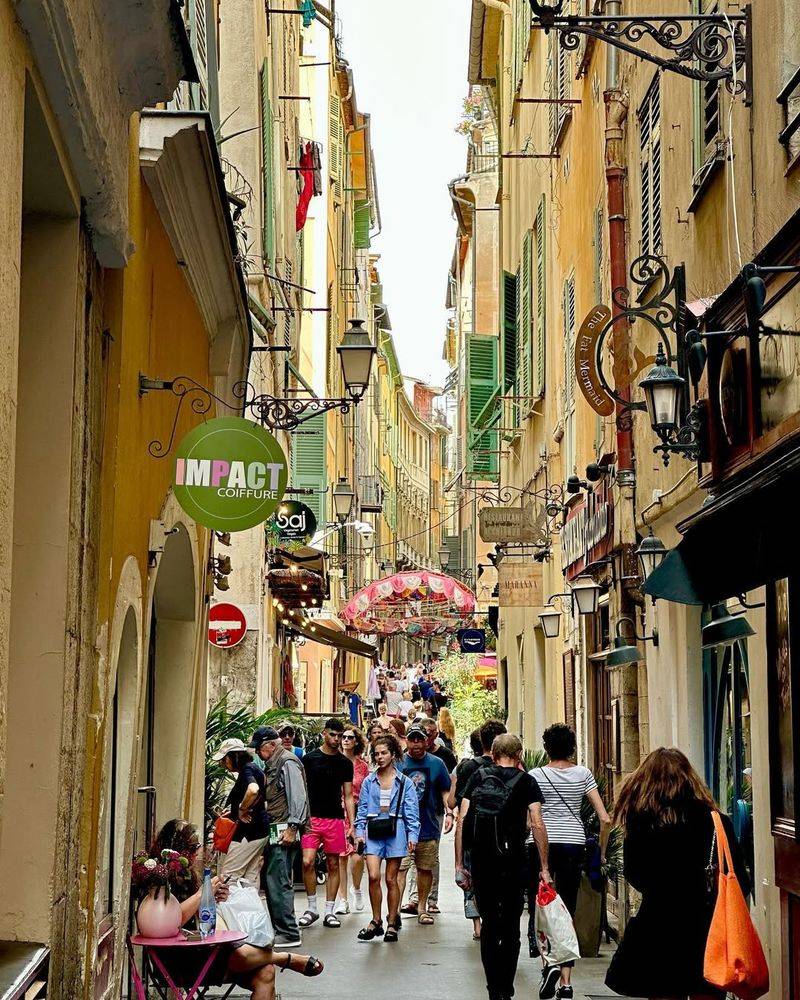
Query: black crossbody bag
x: 384, y: 827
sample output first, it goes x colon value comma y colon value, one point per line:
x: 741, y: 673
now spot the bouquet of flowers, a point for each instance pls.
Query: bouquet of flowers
x: 472, y: 114
x: 169, y: 869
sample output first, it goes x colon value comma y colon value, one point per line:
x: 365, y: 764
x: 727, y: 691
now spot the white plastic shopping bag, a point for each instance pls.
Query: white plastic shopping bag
x: 555, y: 932
x: 244, y: 910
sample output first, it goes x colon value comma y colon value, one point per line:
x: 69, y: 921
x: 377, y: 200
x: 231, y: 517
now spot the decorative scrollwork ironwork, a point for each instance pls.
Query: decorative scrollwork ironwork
x: 704, y: 47
x: 687, y: 440
x: 274, y: 413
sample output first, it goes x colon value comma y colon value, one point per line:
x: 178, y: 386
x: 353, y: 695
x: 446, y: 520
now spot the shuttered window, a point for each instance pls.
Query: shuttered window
x: 539, y: 361
x: 559, y: 85
x: 522, y: 38
x: 524, y: 322
x: 482, y: 406
x: 335, y: 137
x: 268, y: 170
x: 510, y: 348
x: 650, y: 158
x: 308, y: 464
x: 198, y: 36
x: 361, y: 225
x: 569, y: 376
x: 597, y: 244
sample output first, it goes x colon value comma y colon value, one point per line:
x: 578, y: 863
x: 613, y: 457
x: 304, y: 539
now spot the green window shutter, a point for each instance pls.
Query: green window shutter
x: 198, y: 37
x: 308, y: 464
x: 509, y: 329
x: 524, y: 322
x: 335, y: 137
x: 268, y: 169
x: 482, y: 388
x: 361, y: 225
x: 540, y: 318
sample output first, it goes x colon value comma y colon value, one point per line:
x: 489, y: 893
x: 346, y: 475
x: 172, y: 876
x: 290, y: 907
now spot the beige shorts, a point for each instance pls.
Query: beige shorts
x: 424, y: 856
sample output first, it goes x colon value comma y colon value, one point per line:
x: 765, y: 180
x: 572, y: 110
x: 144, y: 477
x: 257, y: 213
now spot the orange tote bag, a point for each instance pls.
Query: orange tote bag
x: 734, y: 958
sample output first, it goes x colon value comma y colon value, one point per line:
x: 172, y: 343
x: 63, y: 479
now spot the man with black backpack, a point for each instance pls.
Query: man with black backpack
x: 499, y: 802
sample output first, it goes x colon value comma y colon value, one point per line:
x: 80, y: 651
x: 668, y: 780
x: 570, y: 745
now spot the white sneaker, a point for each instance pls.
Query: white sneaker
x: 358, y: 898
x: 342, y: 907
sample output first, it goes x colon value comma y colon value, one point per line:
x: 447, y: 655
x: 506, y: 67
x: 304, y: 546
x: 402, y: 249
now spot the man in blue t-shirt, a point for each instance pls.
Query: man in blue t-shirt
x: 432, y: 782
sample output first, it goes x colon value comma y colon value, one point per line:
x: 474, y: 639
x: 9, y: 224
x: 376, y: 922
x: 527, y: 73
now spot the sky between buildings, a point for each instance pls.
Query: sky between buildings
x: 409, y: 60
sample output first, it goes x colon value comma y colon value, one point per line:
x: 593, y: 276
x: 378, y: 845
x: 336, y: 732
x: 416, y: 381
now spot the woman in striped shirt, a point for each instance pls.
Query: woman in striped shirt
x: 564, y: 784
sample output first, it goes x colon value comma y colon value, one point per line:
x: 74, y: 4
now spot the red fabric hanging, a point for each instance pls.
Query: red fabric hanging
x: 307, y: 175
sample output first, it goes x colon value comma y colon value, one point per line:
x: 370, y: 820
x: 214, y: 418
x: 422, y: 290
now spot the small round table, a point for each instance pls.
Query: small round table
x: 166, y: 956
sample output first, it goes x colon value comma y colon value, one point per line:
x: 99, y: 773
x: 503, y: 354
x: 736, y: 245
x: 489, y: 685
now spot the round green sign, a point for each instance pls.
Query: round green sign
x: 230, y: 474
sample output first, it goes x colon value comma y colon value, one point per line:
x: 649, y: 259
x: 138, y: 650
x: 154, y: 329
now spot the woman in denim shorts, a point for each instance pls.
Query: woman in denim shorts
x: 386, y: 794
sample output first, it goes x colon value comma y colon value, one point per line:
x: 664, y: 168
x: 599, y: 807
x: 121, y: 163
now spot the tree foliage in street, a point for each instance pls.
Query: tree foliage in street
x: 471, y: 704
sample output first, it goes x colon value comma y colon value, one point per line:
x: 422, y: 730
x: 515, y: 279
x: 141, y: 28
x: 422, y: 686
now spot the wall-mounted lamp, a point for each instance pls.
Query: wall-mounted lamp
x: 551, y: 616
x: 586, y: 594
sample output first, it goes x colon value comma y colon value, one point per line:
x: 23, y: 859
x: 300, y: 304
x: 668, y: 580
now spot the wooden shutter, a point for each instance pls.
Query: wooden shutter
x: 522, y: 38
x: 650, y: 174
x: 335, y: 137
x: 198, y: 36
x: 509, y: 330
x: 308, y: 464
x: 482, y: 386
x: 597, y: 242
x: 524, y: 323
x: 540, y: 280
x: 268, y: 170
x: 361, y: 225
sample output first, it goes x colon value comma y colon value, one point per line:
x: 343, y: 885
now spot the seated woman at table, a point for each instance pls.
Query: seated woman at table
x: 247, y: 966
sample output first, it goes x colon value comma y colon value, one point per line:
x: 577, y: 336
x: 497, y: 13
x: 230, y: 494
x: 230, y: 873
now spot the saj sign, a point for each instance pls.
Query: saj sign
x: 230, y: 474
x: 293, y: 522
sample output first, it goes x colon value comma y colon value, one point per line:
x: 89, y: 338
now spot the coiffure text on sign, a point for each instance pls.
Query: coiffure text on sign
x: 230, y: 474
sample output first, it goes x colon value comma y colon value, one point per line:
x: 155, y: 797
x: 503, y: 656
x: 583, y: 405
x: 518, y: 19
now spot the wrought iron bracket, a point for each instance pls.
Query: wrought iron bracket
x: 275, y: 413
x: 687, y: 441
x: 705, y: 47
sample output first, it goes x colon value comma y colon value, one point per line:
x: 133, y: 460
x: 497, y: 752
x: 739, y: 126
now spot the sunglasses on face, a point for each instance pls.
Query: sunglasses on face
x: 348, y: 736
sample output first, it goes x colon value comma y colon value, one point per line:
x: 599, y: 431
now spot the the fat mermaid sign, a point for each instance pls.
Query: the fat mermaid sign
x: 230, y: 474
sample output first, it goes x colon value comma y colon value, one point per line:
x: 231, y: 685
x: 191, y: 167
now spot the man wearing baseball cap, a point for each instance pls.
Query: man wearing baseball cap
x: 287, y: 804
x: 432, y: 782
x: 286, y: 731
x: 245, y: 806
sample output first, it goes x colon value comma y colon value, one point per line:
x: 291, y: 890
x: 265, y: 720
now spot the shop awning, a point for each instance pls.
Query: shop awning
x: 738, y: 541
x: 330, y: 637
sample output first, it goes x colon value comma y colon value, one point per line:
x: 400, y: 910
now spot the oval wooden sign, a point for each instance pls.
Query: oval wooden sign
x: 586, y: 373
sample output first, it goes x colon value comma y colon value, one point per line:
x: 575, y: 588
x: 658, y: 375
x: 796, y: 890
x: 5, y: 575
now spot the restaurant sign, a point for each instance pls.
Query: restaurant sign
x: 587, y: 373
x: 509, y: 524
x: 520, y: 584
x: 588, y: 533
x: 230, y: 474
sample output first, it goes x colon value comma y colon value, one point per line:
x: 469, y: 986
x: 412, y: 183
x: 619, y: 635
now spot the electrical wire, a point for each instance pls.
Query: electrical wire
x: 732, y: 179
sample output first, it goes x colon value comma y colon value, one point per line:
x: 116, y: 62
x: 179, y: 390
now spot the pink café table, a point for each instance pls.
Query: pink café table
x: 160, y: 953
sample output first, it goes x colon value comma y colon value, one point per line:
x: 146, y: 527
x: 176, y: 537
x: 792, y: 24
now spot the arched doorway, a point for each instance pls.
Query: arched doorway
x: 171, y: 653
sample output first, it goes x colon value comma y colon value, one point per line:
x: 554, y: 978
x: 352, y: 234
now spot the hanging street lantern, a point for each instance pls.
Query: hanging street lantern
x: 356, y: 354
x: 444, y: 557
x: 651, y: 553
x: 663, y: 390
x: 551, y: 622
x: 724, y: 628
x: 342, y: 499
x: 624, y: 652
x: 586, y: 594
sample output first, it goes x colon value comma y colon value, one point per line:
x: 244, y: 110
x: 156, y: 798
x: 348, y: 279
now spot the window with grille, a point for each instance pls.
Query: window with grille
x: 650, y: 168
x: 569, y: 376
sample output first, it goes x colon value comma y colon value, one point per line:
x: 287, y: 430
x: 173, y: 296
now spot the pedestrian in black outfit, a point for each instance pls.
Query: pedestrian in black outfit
x: 564, y: 785
x: 665, y: 810
x: 498, y: 802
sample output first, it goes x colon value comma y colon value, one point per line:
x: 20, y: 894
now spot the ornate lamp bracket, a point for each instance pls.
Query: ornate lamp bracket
x: 704, y: 47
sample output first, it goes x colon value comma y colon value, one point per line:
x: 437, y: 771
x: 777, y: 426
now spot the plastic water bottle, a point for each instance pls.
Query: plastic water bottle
x: 208, y: 907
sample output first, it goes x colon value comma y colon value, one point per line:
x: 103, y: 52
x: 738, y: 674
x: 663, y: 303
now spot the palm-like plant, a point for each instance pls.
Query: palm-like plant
x: 613, y: 866
x: 224, y: 723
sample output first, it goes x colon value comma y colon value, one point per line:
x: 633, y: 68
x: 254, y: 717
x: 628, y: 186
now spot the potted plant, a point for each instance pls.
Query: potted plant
x: 155, y: 879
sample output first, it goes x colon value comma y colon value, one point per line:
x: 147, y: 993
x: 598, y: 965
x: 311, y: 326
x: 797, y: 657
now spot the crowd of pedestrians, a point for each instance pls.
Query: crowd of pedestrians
x: 379, y: 803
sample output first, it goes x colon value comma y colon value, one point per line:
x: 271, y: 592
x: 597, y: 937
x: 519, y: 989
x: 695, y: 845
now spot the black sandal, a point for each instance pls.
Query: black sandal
x: 313, y: 966
x: 394, y: 926
x: 373, y: 929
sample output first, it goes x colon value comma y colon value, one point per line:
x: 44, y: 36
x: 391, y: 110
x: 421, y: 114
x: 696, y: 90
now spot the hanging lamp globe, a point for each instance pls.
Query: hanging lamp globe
x: 651, y: 554
x: 586, y: 594
x: 444, y: 557
x: 342, y: 499
x: 623, y: 653
x: 356, y: 354
x: 551, y: 622
x: 724, y: 628
x: 663, y: 389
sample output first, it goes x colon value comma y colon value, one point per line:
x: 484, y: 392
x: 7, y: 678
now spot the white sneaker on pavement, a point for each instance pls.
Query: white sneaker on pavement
x: 342, y: 907
x: 358, y: 898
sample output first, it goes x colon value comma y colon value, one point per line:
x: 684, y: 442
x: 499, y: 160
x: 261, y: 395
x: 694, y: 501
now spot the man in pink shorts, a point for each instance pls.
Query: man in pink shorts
x: 329, y: 776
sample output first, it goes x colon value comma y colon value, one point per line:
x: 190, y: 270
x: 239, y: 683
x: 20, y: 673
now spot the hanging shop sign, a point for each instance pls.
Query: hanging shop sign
x: 294, y: 522
x: 227, y: 625
x: 588, y: 532
x: 587, y: 374
x: 520, y: 584
x: 230, y: 474
x: 508, y: 524
x: 472, y: 640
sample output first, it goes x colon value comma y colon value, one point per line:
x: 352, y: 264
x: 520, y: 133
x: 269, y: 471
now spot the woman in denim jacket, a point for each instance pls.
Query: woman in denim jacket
x: 386, y: 793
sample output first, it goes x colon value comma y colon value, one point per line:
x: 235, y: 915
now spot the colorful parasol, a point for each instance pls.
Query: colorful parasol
x: 416, y: 603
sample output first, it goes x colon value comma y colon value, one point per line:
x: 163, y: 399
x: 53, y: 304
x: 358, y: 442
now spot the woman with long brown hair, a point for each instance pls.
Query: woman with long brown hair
x: 447, y: 728
x: 665, y: 809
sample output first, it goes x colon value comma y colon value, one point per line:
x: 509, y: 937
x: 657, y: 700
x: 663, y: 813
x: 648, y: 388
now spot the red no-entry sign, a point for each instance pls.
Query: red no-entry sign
x: 226, y: 625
